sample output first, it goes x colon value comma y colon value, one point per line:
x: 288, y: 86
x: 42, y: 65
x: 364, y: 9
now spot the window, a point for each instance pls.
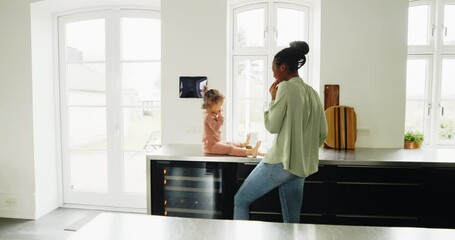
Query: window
x: 259, y: 31
x: 110, y: 104
x: 430, y: 84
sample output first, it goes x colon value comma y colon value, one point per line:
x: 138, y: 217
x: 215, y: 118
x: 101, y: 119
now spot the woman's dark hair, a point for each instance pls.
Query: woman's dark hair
x: 211, y: 97
x: 293, y: 57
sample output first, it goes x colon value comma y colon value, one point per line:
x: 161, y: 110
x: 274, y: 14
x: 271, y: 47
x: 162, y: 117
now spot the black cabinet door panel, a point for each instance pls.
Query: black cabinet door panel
x: 377, y: 200
x: 440, y: 201
x: 375, y: 174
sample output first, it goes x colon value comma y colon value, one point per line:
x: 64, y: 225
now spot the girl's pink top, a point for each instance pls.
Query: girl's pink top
x: 212, y: 125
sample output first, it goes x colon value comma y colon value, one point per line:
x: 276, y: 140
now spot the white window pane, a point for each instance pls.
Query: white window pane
x: 86, y: 83
x: 290, y: 26
x: 415, y: 115
x: 449, y: 23
x: 85, y: 40
x: 448, y: 79
x: 141, y: 128
x: 87, y: 127
x: 134, y: 176
x: 447, y: 121
x: 250, y: 28
x: 418, y: 25
x: 141, y: 39
x: 88, y: 170
x: 417, y: 72
x: 250, y: 79
x: 141, y: 83
x: 250, y: 118
x: 447, y: 105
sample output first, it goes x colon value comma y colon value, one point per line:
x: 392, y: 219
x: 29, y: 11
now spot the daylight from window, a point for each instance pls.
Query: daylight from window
x: 418, y: 25
x: 258, y: 35
x: 430, y: 85
x: 112, y: 90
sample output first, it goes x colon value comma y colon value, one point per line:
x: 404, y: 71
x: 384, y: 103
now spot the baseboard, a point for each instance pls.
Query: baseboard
x: 17, y: 213
x: 105, y: 208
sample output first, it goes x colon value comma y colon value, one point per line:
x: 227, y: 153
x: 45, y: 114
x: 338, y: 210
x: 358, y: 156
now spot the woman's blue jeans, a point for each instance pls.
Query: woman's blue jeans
x: 262, y: 180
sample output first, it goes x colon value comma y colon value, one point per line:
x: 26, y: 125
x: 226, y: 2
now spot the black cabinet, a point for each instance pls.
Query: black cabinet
x: 266, y: 207
x: 315, y: 198
x: 383, y: 195
x: 372, y: 195
x: 440, y: 198
x: 192, y: 189
x: 354, y: 195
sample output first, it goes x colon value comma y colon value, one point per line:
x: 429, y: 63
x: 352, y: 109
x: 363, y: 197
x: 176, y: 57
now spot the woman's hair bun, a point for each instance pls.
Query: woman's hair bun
x: 301, y: 46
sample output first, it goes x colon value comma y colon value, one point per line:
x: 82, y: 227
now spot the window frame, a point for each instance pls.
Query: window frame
x: 234, y: 51
x: 431, y: 28
x: 427, y: 91
x: 446, y: 49
x: 236, y: 97
x: 439, y: 108
x: 436, y: 52
x: 245, y: 8
x: 116, y: 194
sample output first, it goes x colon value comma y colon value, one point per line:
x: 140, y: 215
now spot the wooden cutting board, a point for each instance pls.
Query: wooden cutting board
x: 331, y: 95
x: 342, y: 127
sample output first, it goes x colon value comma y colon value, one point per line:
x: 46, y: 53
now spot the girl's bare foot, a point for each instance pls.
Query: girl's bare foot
x: 255, y: 150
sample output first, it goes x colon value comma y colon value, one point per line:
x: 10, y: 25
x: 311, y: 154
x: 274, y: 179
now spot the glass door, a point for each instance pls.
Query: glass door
x: 84, y: 108
x: 110, y: 105
x: 140, y: 38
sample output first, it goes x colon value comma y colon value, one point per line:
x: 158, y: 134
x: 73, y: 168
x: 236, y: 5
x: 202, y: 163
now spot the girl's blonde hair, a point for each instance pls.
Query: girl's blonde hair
x: 211, y: 97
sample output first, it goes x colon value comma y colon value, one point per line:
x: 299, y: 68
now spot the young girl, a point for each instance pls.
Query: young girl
x: 213, y: 121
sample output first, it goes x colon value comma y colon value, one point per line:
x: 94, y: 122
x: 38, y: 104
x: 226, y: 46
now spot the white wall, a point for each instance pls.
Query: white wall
x: 193, y: 44
x: 44, y: 112
x: 363, y: 49
x: 16, y: 109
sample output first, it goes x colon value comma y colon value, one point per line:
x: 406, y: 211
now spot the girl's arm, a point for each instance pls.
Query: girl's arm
x: 220, y: 118
x: 215, y: 123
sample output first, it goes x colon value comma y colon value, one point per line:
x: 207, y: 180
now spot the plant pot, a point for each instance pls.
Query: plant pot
x: 410, y: 145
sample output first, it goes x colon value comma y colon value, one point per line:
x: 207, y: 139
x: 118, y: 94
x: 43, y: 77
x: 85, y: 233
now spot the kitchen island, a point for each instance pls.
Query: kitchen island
x: 378, y: 187
x: 113, y: 226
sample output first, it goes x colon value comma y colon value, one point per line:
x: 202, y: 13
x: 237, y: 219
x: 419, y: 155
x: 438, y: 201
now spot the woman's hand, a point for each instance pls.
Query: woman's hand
x: 273, y: 89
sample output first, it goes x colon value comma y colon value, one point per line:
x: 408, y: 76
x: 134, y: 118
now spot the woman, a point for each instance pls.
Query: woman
x: 297, y: 118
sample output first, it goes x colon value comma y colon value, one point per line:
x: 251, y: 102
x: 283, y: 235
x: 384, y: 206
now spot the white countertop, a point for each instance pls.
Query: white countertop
x: 122, y: 226
x: 361, y: 156
x: 194, y: 152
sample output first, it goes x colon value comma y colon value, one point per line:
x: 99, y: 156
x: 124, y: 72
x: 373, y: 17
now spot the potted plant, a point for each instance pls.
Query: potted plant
x: 413, y: 139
